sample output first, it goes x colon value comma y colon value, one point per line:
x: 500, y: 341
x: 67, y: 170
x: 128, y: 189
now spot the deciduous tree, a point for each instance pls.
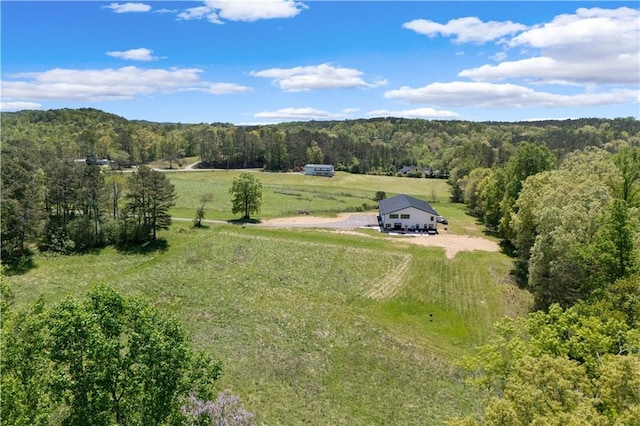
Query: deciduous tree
x: 575, y: 366
x: 172, y: 147
x: 25, y: 365
x: 247, y: 195
x: 204, y: 199
x: 117, y: 359
x: 628, y: 162
x: 100, y: 361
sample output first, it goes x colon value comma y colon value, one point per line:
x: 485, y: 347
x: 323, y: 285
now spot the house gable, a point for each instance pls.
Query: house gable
x: 405, y: 212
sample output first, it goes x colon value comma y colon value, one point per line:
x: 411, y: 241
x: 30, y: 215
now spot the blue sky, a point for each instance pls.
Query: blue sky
x: 268, y: 61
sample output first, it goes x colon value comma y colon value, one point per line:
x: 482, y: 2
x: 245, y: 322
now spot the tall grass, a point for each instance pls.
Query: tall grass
x: 312, y: 326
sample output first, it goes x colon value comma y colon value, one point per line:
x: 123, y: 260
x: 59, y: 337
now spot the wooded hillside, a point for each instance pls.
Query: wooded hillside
x: 379, y: 145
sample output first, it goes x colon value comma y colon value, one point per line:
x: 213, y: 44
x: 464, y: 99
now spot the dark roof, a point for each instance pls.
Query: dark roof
x: 399, y: 202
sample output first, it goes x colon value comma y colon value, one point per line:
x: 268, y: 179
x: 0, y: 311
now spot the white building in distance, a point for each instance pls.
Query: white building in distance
x: 319, y: 170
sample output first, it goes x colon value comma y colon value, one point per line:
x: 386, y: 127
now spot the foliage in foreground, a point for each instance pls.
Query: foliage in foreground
x: 101, y: 361
x: 565, y: 367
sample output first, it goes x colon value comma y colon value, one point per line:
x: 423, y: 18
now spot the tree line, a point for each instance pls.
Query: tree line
x: 379, y: 146
x: 574, y: 366
x: 66, y: 206
x: 487, y: 165
x: 573, y: 228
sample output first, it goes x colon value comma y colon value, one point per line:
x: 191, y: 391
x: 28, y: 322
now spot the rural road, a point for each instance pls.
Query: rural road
x: 344, y: 220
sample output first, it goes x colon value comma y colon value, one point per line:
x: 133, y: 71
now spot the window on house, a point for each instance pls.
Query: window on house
x: 431, y: 218
x: 393, y: 216
x: 405, y: 216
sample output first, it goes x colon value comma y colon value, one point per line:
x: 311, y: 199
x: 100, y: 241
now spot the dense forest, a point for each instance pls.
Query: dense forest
x: 381, y: 145
x: 563, y: 197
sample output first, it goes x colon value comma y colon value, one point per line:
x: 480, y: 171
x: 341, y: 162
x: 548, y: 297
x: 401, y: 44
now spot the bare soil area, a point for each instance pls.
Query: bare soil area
x: 311, y: 221
x: 452, y: 244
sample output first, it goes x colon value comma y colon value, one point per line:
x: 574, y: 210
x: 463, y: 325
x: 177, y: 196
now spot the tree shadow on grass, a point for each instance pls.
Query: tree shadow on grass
x: 506, y: 247
x: 244, y: 221
x: 20, y: 265
x: 202, y: 225
x: 158, y: 245
x: 518, y: 272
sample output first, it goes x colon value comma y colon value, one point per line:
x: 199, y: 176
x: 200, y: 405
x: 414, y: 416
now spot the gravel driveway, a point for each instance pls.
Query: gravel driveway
x: 345, y: 220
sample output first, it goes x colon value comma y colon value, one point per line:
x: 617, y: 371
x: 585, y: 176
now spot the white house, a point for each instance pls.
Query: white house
x: 319, y: 170
x: 406, y: 213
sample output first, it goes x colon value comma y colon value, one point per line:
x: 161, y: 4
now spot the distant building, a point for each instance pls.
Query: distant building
x: 92, y: 161
x: 319, y: 170
x: 409, y: 169
x: 406, y: 213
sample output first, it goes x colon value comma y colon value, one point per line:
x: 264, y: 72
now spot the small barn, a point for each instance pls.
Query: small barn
x: 319, y: 170
x: 405, y: 213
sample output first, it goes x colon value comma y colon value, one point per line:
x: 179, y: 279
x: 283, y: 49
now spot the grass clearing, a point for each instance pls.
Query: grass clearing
x: 290, y: 315
x: 312, y: 325
x: 288, y: 194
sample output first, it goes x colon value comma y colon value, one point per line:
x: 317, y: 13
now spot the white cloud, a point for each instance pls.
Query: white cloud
x: 414, y: 113
x: 140, y: 54
x: 324, y: 76
x: 249, y: 11
x: 469, y: 29
x: 200, y: 12
x: 607, y: 31
x: 490, y: 95
x: 242, y: 10
x: 129, y: 7
x: 225, y: 88
x: 17, y: 106
x: 299, y: 114
x: 592, y: 46
x: 109, y: 84
x: 620, y: 70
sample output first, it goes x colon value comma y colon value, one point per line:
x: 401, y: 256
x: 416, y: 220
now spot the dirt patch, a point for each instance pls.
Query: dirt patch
x: 452, y: 244
x: 305, y: 220
x: 343, y: 220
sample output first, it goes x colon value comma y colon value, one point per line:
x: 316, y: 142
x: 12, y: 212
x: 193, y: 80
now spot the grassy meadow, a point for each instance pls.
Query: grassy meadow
x: 286, y: 194
x: 312, y: 326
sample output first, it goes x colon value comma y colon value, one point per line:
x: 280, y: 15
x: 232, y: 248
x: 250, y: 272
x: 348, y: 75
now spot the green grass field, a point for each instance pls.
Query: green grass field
x: 312, y: 326
x: 286, y: 194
